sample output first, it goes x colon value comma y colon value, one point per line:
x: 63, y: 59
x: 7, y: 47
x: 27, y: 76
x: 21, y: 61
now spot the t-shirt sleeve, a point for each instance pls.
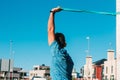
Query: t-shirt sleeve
x: 54, y: 47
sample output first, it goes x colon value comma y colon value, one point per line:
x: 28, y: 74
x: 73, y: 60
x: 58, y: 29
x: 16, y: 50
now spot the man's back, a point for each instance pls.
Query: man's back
x: 62, y: 63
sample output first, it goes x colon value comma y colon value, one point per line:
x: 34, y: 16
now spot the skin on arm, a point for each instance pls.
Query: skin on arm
x: 51, y: 25
x: 51, y: 28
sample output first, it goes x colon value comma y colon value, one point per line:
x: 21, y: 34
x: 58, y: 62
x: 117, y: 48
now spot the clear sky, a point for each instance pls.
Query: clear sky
x: 25, y: 23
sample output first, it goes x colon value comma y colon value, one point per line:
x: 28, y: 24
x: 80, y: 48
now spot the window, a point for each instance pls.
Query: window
x: 111, y: 69
x: 106, y: 70
x: 35, y: 68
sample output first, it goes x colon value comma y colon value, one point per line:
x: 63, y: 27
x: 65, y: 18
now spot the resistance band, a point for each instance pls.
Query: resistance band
x: 87, y: 11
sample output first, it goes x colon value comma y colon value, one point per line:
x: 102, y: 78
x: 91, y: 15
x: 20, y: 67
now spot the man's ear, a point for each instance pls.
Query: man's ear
x: 65, y: 44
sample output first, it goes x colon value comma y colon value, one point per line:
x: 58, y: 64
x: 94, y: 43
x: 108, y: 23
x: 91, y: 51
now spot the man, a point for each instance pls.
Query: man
x: 62, y: 63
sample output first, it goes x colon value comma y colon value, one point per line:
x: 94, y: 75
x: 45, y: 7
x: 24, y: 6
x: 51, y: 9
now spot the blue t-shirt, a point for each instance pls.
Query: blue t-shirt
x: 62, y: 64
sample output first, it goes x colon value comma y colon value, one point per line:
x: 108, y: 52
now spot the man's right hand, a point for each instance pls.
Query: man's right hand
x: 57, y: 9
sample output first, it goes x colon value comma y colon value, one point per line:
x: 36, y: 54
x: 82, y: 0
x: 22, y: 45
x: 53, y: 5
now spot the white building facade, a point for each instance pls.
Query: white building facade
x: 39, y: 71
x: 110, y: 66
x: 88, y: 69
x: 118, y: 39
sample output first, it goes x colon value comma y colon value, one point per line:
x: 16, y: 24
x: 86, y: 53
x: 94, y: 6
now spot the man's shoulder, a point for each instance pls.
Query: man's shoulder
x: 53, y: 44
x: 54, y: 47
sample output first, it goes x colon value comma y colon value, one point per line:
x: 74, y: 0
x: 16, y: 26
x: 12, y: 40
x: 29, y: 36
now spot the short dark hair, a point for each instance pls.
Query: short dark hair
x: 60, y: 38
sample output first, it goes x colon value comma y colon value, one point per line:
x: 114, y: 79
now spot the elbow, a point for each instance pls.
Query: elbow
x: 50, y: 29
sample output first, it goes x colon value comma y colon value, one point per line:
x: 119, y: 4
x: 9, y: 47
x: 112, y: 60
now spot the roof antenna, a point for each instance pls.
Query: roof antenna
x: 88, y: 50
x: 110, y: 44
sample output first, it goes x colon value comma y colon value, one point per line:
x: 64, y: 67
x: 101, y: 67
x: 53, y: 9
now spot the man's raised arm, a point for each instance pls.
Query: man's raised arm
x: 51, y: 25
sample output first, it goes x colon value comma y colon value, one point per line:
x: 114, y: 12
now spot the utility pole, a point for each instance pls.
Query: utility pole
x: 88, y: 50
x: 118, y: 39
x: 11, y: 61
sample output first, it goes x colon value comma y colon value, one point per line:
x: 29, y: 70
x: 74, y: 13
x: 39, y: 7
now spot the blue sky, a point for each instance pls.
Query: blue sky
x: 25, y: 23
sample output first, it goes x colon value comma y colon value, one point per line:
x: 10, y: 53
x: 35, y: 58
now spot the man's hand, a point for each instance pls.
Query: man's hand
x: 57, y: 9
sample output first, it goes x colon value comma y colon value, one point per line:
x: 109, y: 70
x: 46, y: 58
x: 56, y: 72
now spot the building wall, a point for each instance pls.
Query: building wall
x: 36, y: 73
x: 118, y: 39
x: 6, y: 65
x: 39, y: 71
x: 7, y: 71
x: 110, y: 66
x: 98, y: 72
x: 88, y: 68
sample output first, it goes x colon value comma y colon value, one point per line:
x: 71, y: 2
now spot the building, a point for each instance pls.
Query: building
x: 75, y: 74
x: 88, y: 69
x: 118, y: 40
x: 104, y: 69
x: 98, y: 69
x: 8, y: 72
x: 19, y: 74
x: 40, y: 71
x: 110, y: 66
x: 6, y: 67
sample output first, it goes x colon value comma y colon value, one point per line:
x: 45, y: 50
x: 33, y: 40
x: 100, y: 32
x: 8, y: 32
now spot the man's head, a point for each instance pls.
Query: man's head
x: 60, y: 38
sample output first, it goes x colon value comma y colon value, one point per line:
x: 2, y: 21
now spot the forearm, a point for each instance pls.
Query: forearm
x: 51, y: 24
